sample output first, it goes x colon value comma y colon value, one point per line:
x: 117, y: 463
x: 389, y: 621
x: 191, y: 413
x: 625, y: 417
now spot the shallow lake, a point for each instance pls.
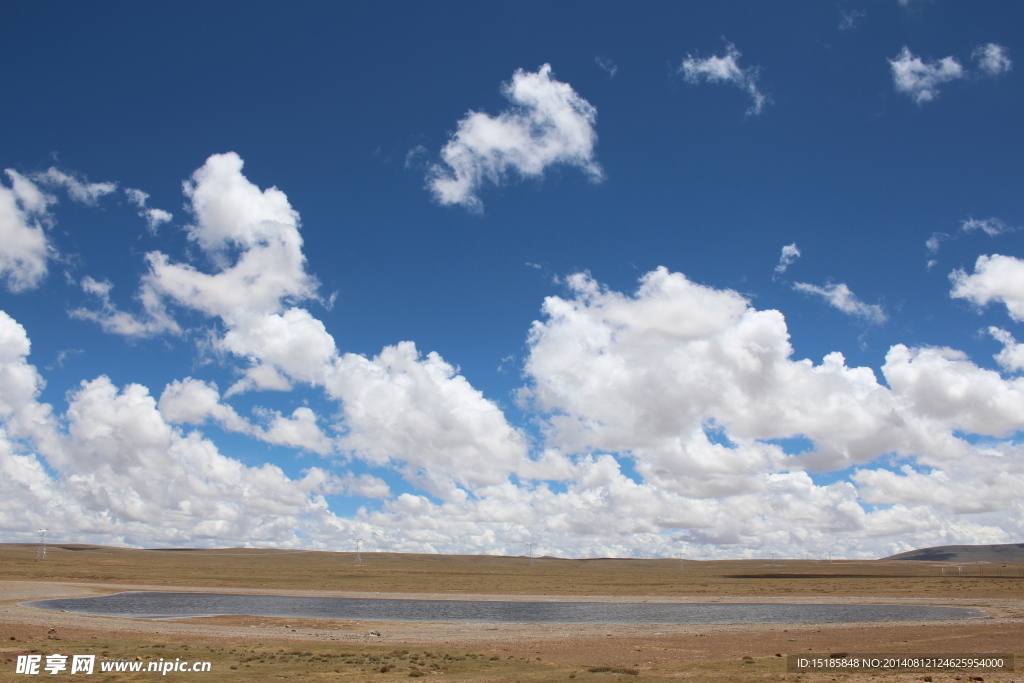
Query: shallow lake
x: 165, y: 605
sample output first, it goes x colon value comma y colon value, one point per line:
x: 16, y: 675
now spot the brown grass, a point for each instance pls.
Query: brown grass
x: 475, y: 574
x: 312, y: 650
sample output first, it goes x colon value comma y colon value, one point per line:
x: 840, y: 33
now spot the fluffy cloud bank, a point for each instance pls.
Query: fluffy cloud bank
x: 392, y: 404
x: 692, y: 380
x: 699, y: 390
x: 112, y: 468
x: 671, y: 419
x: 548, y: 123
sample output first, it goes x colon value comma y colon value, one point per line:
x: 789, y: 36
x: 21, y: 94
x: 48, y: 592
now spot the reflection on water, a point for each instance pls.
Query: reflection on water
x: 156, y: 605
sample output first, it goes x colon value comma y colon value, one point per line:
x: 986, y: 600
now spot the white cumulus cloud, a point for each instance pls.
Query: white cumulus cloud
x: 840, y: 296
x: 992, y: 59
x: 547, y: 124
x: 419, y: 414
x: 1011, y: 358
x: 299, y: 430
x: 254, y: 238
x: 154, y: 217
x: 77, y: 188
x: 192, y: 401
x: 24, y: 247
x: 725, y: 69
x: 153, y: 321
x: 932, y: 243
x: 790, y: 253
x: 921, y: 80
x: 647, y: 373
x: 996, y: 278
x: 943, y: 384
x: 992, y: 227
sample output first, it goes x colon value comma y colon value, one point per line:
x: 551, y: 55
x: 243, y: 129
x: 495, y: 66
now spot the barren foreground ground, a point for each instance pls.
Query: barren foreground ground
x: 265, y: 649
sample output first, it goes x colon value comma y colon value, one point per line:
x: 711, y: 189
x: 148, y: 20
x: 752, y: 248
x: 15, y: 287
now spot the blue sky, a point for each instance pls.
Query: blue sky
x: 713, y: 279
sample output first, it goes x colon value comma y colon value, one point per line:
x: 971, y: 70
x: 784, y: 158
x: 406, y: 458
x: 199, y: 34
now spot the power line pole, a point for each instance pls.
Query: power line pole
x: 41, y: 553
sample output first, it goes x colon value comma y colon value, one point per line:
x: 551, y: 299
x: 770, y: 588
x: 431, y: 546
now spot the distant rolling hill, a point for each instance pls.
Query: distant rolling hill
x: 1006, y: 552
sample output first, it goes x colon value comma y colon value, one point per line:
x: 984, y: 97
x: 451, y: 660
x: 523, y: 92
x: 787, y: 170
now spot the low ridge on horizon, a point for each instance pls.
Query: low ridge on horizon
x: 1001, y: 552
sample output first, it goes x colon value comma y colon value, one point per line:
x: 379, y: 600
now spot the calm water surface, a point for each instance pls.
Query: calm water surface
x: 161, y: 605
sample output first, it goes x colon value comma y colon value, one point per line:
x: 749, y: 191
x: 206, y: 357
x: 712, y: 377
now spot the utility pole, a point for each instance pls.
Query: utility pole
x: 41, y: 553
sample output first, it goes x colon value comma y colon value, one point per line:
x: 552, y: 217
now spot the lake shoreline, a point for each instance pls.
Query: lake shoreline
x: 12, y: 593
x: 258, y: 649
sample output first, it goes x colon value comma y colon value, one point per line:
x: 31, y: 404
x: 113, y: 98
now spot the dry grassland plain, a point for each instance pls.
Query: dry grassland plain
x: 270, y: 649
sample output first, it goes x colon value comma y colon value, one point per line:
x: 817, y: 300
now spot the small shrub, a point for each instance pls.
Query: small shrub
x: 614, y: 670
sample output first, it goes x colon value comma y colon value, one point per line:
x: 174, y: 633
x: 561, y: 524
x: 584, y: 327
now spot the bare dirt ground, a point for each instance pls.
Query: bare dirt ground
x: 268, y: 649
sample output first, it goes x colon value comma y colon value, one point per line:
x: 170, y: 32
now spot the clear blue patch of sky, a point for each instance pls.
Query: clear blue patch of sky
x: 627, y: 466
x: 988, y: 440
x: 828, y: 478
x: 716, y: 434
x: 793, y: 445
x: 347, y: 506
